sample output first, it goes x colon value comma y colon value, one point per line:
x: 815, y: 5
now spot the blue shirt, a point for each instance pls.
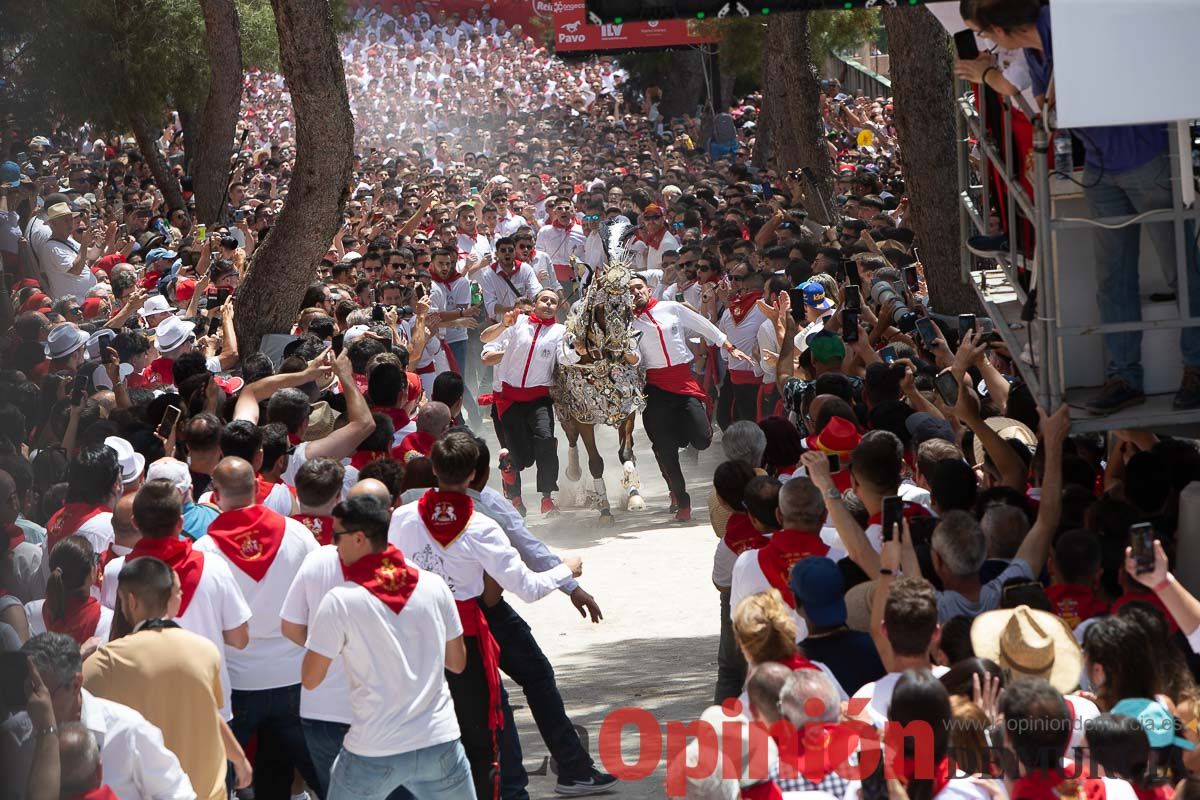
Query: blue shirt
x: 1112, y: 148
x: 197, y: 518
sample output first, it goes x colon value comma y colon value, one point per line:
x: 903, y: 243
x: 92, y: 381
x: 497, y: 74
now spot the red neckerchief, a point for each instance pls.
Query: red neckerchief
x: 385, y: 575
x: 767, y: 790
x: 445, y: 514
x: 80, y: 620
x: 740, y: 306
x: 1052, y: 785
x: 545, y: 323
x: 321, y: 526
x: 785, y: 548
x: 250, y: 537
x: 650, y: 304
x: 399, y: 416
x: 68, y: 519
x: 1163, y: 791
x: 294, y: 439
x: 363, y: 457
x: 1145, y: 597
x: 814, y: 753
x: 419, y: 442
x: 910, y: 510
x: 652, y: 240
x: 798, y: 662
x: 163, y: 368
x: 909, y: 770
x: 447, y: 282
x: 16, y: 534
x: 741, y: 535
x: 497, y: 268
x: 1075, y: 603
x: 179, y: 555
x: 99, y: 793
x: 568, y: 227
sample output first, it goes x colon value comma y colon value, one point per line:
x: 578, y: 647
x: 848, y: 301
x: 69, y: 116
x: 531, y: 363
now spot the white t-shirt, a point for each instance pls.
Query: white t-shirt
x: 38, y: 625
x: 320, y: 572
x: 271, y: 660
x: 879, y: 694
x: 395, y: 662
x: 216, y: 606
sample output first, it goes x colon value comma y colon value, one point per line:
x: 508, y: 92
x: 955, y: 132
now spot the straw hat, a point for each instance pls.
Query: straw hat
x: 1029, y: 643
x: 321, y: 419
x: 1007, y: 428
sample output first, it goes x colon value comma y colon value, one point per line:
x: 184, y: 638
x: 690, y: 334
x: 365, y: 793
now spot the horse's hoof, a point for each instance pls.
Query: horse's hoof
x: 607, y: 519
x: 636, y: 503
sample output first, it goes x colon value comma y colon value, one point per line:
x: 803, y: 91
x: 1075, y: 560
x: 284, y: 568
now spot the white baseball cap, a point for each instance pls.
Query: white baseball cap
x: 173, y: 470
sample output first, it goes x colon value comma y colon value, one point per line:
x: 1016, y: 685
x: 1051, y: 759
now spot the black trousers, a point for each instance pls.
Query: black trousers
x: 522, y: 660
x: 529, y: 437
x: 673, y: 421
x: 470, y: 693
x: 736, y: 401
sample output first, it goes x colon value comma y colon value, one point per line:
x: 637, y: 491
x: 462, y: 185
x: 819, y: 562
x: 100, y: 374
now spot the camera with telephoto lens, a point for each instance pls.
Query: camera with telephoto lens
x: 882, y: 293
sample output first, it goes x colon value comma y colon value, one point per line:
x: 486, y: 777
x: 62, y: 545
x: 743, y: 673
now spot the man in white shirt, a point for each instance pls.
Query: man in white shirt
x: 740, y: 322
x: 472, y: 244
x: 507, y: 223
x: 212, y: 605
x: 62, y: 259
x: 397, y: 631
x: 528, y: 346
x: 560, y: 240
x: 767, y: 348
x: 505, y: 282
x: 137, y: 765
x: 441, y: 532
x: 652, y: 239
x: 263, y: 551
x: 450, y: 297
x: 675, y: 415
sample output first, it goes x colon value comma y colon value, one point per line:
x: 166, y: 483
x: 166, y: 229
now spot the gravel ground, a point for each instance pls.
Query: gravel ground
x: 656, y: 647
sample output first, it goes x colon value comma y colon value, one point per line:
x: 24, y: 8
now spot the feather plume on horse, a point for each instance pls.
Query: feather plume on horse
x: 604, y: 388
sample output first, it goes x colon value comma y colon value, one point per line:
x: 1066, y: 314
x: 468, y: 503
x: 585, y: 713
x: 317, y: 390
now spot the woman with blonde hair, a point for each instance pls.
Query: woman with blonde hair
x: 765, y: 631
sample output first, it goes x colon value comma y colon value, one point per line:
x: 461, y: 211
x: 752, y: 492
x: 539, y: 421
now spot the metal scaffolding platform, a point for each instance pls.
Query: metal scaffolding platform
x: 1060, y: 272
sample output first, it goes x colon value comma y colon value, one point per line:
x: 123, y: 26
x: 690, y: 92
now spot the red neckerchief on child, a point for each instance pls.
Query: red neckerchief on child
x: 740, y: 306
x: 386, y: 575
x: 250, y: 537
x: 785, y: 548
x: 179, y: 555
x: 1075, y: 603
x: 445, y: 514
x: 80, y: 620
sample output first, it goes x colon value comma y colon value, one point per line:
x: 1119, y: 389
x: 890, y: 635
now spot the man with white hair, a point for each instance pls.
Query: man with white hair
x: 196, y: 516
x: 61, y: 258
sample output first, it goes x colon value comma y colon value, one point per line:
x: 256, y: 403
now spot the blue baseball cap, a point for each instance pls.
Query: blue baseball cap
x: 814, y: 296
x: 10, y: 175
x: 158, y: 254
x: 1156, y: 721
x: 820, y: 592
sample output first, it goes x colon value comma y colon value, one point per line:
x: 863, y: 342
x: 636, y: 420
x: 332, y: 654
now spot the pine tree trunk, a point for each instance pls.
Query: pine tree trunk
x: 791, y: 108
x: 923, y: 92
x: 217, y: 124
x: 284, y: 264
x: 146, y: 138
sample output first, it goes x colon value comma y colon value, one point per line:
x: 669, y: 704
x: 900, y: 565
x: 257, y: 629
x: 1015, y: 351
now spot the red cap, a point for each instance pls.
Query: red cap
x: 92, y: 307
x: 184, y: 289
x: 414, y: 386
x: 653, y: 208
x: 838, y: 436
x: 35, y: 302
x: 149, y: 281
x: 21, y: 284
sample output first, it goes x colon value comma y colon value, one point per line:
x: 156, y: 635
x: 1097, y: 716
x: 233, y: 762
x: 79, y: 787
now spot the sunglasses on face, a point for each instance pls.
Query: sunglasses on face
x: 654, y: 218
x: 506, y: 250
x: 705, y: 268
x: 591, y: 218
x: 678, y: 225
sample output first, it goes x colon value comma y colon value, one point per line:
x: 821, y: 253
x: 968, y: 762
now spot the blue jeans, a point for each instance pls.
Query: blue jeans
x: 459, y: 349
x: 324, y: 740
x: 1132, y: 192
x: 438, y: 772
x: 274, y: 714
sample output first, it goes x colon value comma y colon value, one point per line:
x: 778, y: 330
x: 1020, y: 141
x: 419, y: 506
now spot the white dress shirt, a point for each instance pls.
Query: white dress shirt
x: 496, y: 290
x: 744, y: 336
x: 55, y: 259
x: 647, y: 257
x: 531, y: 352
x: 481, y: 547
x: 559, y: 244
x: 449, y: 298
x: 664, y: 342
x: 270, y: 660
x: 137, y: 764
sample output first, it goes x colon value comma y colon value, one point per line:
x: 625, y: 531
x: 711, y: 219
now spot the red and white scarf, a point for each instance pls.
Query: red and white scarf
x: 785, y: 548
x: 445, y: 514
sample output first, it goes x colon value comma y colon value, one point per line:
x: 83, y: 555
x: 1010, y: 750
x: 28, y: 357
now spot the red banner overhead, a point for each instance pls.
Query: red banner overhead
x: 573, y: 33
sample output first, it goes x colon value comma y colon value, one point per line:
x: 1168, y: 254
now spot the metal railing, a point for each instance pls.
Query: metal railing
x: 1001, y: 288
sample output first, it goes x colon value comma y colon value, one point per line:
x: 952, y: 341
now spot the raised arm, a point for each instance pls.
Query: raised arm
x: 1036, y: 547
x: 343, y: 441
x: 247, y: 403
x: 854, y: 539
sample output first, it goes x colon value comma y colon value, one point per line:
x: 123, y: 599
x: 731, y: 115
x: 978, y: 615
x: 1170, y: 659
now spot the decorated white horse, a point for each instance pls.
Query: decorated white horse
x: 604, y: 388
